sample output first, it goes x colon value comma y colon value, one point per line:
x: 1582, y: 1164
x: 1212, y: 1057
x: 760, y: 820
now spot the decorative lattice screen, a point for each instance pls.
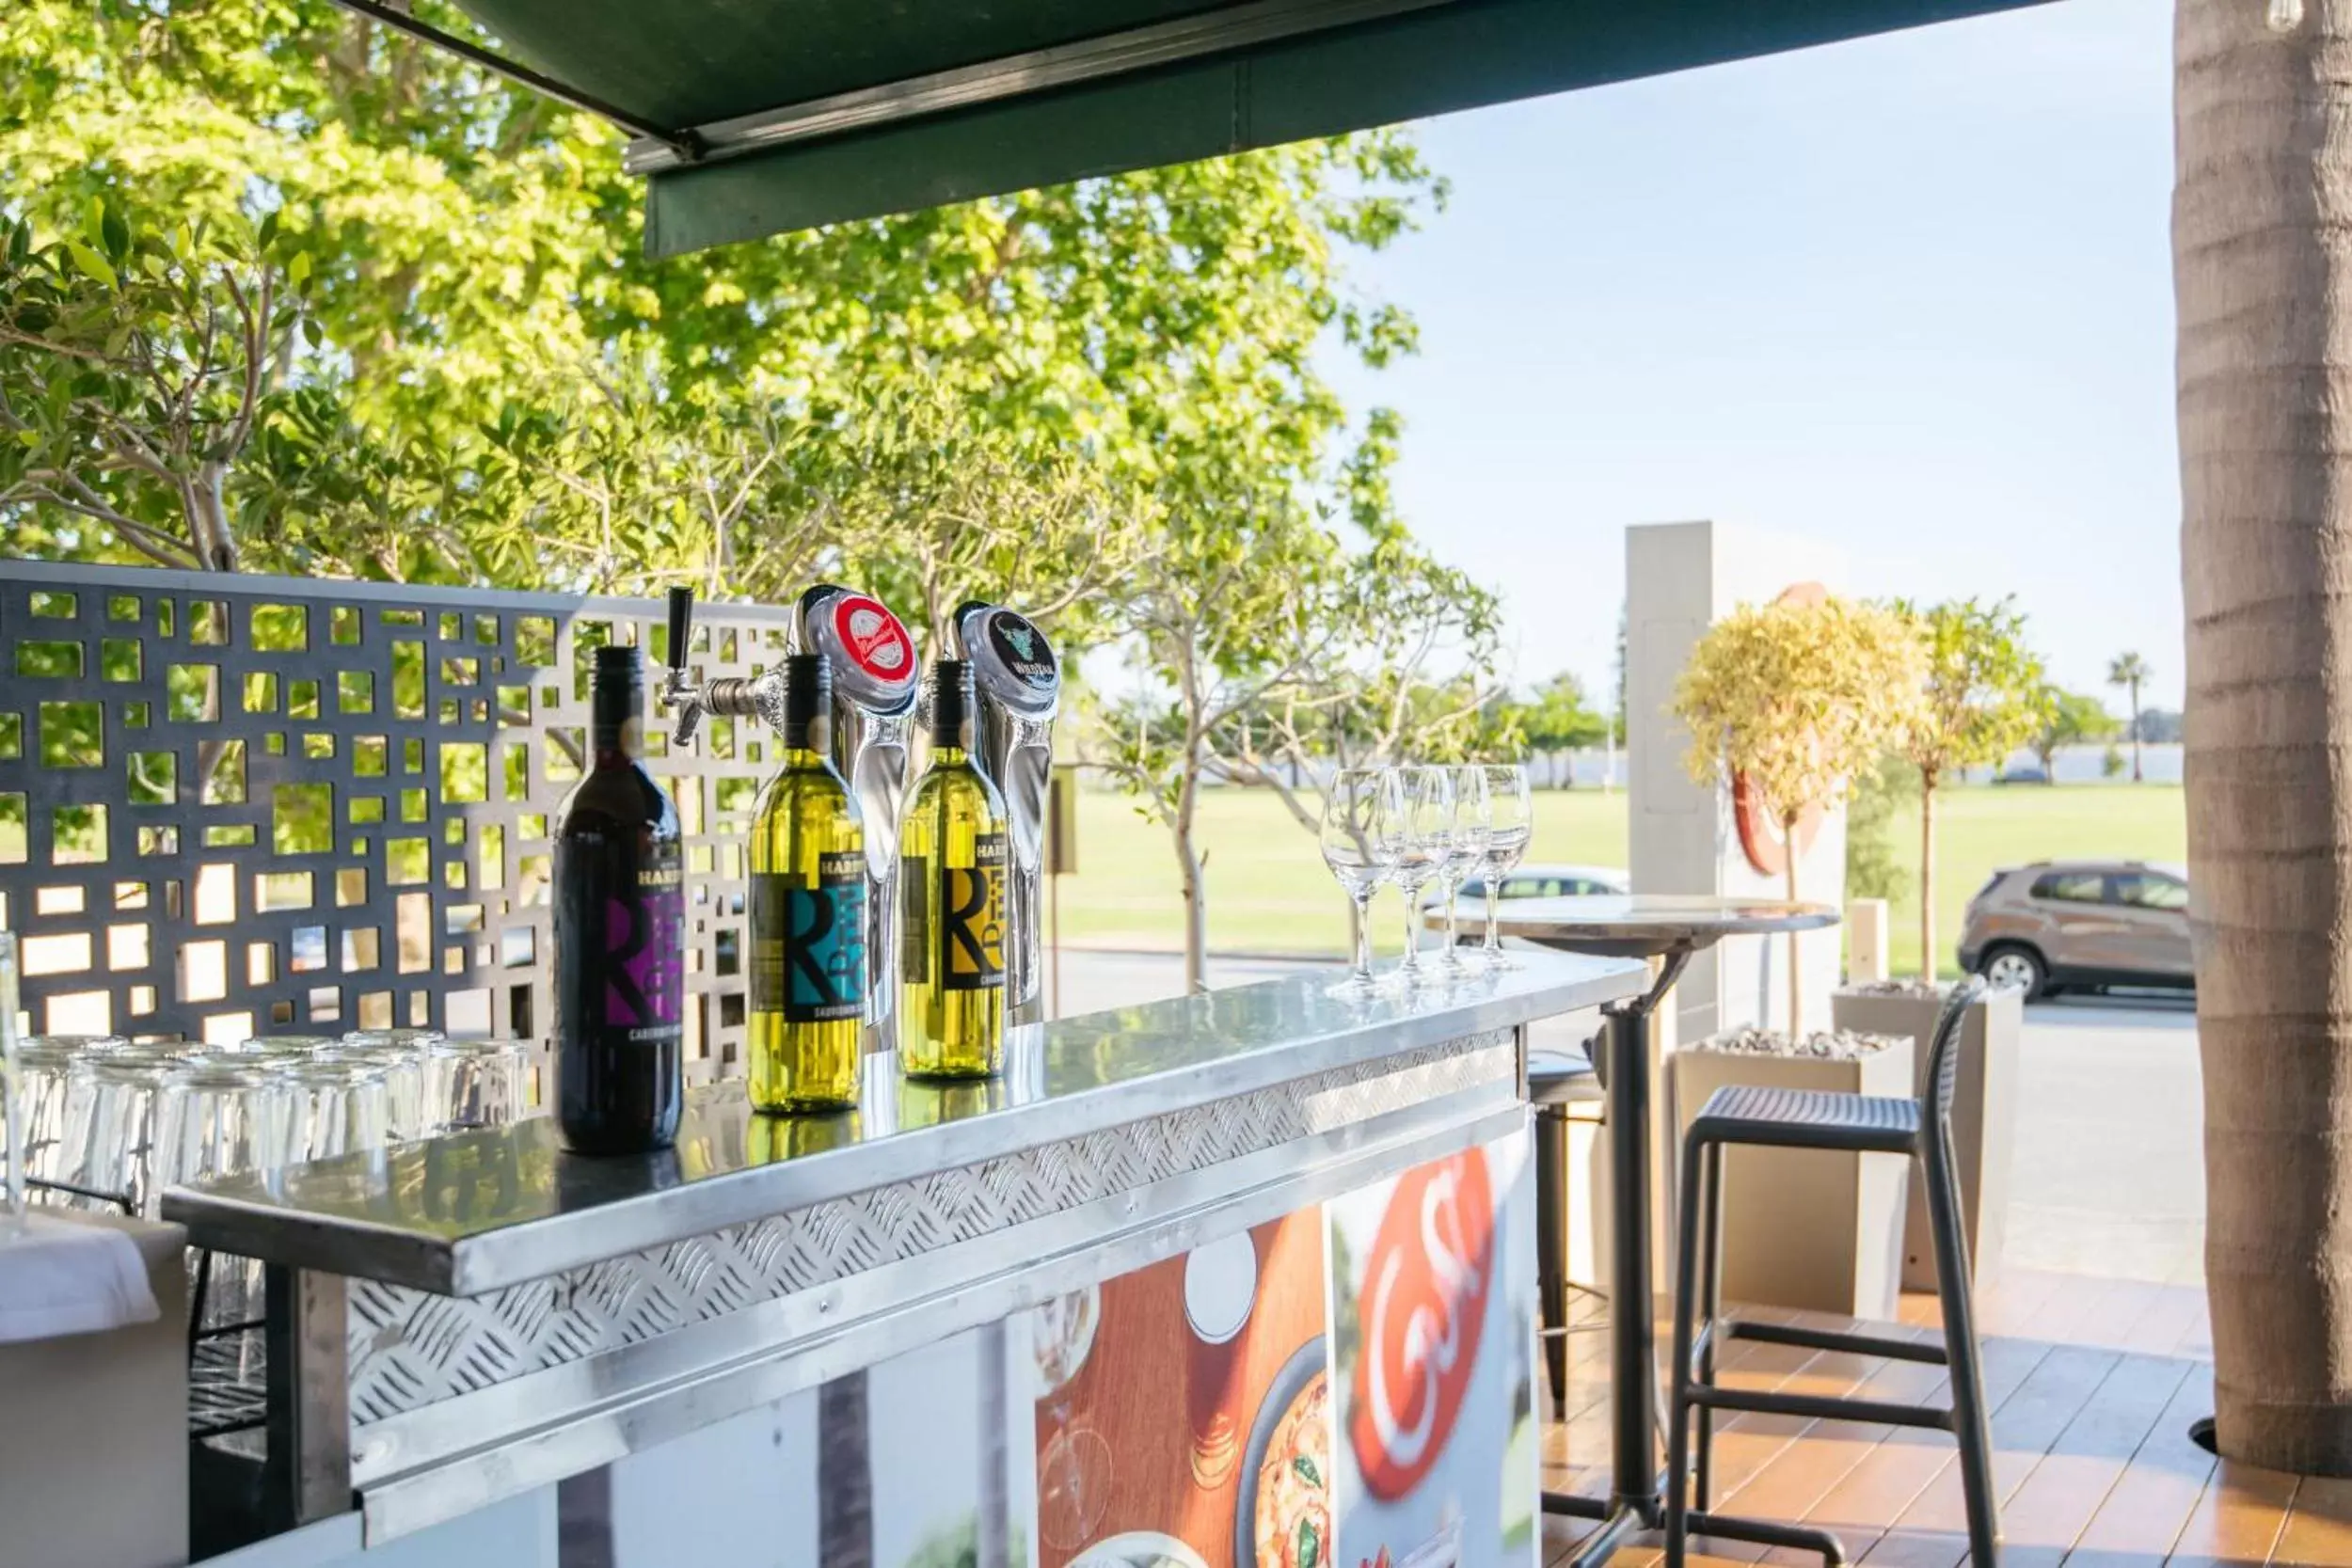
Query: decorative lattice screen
x: 237, y: 805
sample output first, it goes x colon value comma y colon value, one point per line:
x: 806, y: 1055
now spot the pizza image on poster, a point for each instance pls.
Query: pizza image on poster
x: 1433, y: 1328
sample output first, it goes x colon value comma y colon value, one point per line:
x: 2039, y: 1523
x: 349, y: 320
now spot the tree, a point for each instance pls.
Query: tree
x: 136, y: 366
x: 2131, y: 671
x: 1560, y: 719
x: 2070, y: 719
x: 1799, y: 700
x: 2261, y: 251
x: 1983, y: 697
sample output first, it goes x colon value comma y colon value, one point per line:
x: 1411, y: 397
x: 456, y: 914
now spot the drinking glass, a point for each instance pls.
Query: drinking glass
x: 340, y: 1105
x: 471, y: 1084
x: 1466, y: 850
x: 1510, y: 823
x: 1354, y: 808
x: 13, y: 1120
x: 1417, y: 835
x: 402, y: 1062
x: 110, y: 1127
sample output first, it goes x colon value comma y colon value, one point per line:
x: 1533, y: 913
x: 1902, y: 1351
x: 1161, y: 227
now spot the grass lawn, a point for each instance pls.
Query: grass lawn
x: 1269, y: 893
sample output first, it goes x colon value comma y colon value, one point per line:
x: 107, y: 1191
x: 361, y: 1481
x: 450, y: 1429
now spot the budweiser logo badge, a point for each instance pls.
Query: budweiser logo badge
x: 1423, y: 1304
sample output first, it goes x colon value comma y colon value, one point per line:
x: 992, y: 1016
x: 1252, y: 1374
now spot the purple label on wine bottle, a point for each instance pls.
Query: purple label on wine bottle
x: 645, y: 973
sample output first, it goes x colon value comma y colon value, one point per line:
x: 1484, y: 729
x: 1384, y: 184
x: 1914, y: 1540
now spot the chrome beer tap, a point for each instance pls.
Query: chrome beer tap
x: 1019, y: 682
x: 729, y: 697
x: 875, y: 681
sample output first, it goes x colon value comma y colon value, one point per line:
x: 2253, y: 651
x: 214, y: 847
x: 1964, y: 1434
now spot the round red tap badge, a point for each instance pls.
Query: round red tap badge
x: 872, y: 636
x: 1422, y: 1306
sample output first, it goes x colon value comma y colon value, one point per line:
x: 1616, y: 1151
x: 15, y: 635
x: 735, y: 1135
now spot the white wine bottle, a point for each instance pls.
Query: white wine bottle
x: 952, y: 901
x: 807, y: 915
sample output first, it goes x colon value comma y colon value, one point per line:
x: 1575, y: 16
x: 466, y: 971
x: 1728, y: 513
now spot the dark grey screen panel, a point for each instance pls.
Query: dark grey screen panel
x: 243, y: 803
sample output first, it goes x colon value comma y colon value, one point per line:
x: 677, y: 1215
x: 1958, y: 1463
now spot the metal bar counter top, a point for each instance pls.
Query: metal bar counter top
x: 461, y: 1320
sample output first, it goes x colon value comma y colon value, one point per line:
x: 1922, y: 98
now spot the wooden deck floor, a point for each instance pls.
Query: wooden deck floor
x: 2092, y: 1383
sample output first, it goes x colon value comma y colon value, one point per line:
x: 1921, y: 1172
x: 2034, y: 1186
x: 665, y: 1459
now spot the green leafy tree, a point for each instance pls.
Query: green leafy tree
x: 1561, y: 718
x: 1983, y: 698
x: 1799, y: 700
x: 2131, y: 671
x: 2073, y: 720
x: 136, y: 365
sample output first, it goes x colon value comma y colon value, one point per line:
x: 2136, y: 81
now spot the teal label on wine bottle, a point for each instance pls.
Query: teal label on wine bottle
x: 972, y: 919
x: 808, y: 945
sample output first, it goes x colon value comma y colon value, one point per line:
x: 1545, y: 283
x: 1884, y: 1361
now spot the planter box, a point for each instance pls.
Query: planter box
x: 1807, y: 1228
x: 1984, y: 1120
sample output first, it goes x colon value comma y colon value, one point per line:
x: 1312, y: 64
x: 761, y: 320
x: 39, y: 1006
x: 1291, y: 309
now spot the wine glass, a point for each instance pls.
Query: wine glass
x: 1354, y: 807
x: 13, y: 1127
x: 1466, y: 850
x: 1074, y: 1471
x: 1510, y: 812
x: 1418, y: 834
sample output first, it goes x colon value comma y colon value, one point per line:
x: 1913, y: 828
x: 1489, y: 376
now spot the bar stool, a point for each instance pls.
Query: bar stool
x: 1786, y: 1118
x: 1556, y: 1081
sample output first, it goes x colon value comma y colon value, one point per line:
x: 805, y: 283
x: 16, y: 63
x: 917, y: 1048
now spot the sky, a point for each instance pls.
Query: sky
x: 1909, y: 295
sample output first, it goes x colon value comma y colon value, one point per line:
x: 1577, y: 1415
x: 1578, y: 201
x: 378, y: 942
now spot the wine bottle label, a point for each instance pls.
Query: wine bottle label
x: 808, y: 943
x: 644, y: 973
x: 972, y: 919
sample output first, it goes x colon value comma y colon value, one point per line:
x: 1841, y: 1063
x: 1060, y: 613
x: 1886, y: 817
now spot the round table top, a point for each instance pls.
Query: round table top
x: 1645, y: 924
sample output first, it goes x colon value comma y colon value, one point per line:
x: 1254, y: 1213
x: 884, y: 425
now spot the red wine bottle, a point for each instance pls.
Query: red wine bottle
x: 620, y: 920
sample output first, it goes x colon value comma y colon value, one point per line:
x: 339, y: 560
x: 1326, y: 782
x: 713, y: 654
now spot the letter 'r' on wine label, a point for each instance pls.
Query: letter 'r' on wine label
x: 824, y: 942
x: 972, y: 919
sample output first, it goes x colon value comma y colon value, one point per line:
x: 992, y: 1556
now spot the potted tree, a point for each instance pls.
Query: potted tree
x: 1984, y: 696
x: 1789, y: 703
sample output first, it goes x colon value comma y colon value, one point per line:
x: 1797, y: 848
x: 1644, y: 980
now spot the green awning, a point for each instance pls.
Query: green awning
x: 786, y: 114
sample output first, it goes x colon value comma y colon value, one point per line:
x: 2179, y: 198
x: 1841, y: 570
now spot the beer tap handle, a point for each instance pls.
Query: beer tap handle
x: 677, y: 689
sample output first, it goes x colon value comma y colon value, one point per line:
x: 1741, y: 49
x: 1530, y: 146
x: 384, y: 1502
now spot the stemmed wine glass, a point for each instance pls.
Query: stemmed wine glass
x: 1466, y: 850
x: 1510, y: 812
x: 1073, y: 1472
x: 1360, y: 800
x: 1419, y: 836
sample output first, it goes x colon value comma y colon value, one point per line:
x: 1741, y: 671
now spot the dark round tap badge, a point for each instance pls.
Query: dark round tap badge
x: 1023, y: 650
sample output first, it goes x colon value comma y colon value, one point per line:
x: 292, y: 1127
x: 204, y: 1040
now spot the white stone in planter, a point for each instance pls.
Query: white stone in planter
x: 1806, y: 1228
x: 1984, y: 1119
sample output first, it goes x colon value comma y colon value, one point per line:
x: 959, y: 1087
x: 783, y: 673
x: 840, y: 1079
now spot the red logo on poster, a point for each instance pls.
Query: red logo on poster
x: 1422, y: 1306
x: 873, y: 637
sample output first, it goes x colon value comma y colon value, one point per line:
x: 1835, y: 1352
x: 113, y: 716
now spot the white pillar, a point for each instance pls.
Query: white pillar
x: 1680, y: 578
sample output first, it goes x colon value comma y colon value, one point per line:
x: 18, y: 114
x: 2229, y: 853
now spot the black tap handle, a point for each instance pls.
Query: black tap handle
x: 681, y: 626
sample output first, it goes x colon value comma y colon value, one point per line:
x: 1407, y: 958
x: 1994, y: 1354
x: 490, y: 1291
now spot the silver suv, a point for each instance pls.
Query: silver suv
x: 2056, y: 924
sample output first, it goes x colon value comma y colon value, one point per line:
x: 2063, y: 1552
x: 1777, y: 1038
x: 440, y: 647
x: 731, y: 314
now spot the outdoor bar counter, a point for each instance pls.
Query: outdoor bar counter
x: 1194, y: 1217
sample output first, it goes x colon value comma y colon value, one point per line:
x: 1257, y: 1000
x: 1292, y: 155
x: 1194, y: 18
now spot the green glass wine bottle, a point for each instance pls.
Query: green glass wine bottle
x: 952, y: 901
x: 807, y: 915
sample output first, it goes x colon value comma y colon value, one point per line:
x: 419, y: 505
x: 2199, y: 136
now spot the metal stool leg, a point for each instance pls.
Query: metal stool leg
x: 1954, y: 1288
x: 1551, y: 1247
x: 1710, y: 1318
x: 1688, y: 1235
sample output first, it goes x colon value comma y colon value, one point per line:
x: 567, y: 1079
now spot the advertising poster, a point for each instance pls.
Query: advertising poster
x: 1183, y: 1416
x: 1434, y: 1306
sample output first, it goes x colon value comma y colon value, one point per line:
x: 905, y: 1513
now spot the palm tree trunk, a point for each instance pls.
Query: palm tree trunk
x: 2262, y: 228
x: 2136, y: 776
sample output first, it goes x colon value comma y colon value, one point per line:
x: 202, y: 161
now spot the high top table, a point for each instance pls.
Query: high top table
x: 1667, y: 927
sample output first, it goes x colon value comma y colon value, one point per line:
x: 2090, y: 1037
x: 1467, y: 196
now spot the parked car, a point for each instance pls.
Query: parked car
x: 2060, y: 923
x: 2022, y: 774
x: 1552, y: 881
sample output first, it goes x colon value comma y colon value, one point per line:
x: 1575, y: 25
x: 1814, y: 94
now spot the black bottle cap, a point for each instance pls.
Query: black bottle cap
x: 807, y: 702
x: 951, y: 702
x: 619, y: 659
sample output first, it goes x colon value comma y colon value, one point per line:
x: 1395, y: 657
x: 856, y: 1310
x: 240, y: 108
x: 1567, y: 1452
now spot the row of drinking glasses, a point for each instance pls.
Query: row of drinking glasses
x: 1414, y: 826
x: 106, y: 1117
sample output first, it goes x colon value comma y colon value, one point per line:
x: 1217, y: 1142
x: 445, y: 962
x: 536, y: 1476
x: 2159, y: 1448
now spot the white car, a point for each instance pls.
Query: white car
x: 1548, y: 881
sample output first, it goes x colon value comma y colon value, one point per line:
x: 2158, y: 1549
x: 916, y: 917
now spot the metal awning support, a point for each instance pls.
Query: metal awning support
x: 1178, y: 43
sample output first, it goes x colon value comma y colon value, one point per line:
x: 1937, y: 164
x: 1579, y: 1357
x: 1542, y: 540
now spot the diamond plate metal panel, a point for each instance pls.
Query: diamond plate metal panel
x: 410, y: 1349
